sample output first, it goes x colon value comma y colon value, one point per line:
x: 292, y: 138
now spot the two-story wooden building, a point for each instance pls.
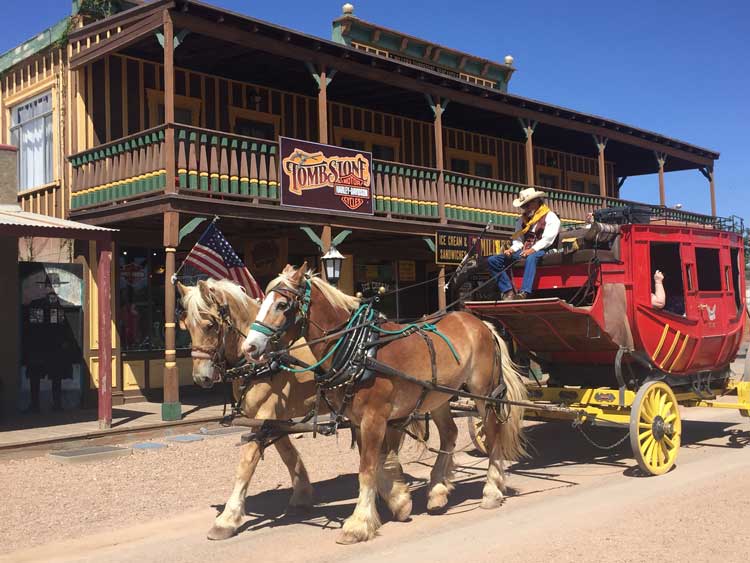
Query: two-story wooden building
x: 172, y: 109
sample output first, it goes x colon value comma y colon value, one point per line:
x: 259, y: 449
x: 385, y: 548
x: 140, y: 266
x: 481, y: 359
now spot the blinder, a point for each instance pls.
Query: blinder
x: 299, y: 304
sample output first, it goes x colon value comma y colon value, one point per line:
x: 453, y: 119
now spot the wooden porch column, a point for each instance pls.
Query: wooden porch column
x: 325, y: 241
x: 323, y: 107
x: 601, y: 143
x: 528, y: 128
x: 322, y: 78
x: 169, y: 151
x: 170, y: 408
x: 437, y: 110
x: 103, y: 280
x: 661, y: 159
x: 708, y: 173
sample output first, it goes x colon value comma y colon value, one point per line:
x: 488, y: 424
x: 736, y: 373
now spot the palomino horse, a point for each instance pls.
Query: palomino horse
x: 299, y: 304
x: 282, y: 396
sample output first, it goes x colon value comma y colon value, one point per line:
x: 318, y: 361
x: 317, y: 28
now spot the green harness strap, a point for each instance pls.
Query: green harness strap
x: 320, y: 362
x: 427, y: 327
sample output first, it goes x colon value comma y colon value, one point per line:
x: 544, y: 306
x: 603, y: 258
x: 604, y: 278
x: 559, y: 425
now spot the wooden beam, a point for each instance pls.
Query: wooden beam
x: 119, y: 41
x: 103, y: 280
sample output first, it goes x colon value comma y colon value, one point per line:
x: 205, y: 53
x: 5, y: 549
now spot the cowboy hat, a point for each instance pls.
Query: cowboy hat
x: 526, y: 195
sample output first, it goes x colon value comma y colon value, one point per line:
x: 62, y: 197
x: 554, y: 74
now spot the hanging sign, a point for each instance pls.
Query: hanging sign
x: 451, y: 247
x: 325, y: 177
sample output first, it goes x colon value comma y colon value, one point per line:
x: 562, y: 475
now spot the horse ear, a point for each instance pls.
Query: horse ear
x: 288, y: 269
x: 206, y: 292
x: 181, y: 288
x: 299, y: 274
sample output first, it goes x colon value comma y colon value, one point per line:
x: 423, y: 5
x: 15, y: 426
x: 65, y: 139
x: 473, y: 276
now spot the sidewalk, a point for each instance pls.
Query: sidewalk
x: 51, y: 428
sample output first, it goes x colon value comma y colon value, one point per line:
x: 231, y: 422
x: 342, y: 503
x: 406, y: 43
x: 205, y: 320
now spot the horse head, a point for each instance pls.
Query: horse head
x: 279, y: 313
x: 216, y: 314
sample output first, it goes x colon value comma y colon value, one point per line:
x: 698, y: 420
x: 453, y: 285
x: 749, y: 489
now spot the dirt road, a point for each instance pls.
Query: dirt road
x: 568, y: 504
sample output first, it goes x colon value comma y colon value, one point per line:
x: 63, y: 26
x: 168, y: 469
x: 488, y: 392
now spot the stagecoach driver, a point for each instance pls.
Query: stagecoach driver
x: 536, y: 231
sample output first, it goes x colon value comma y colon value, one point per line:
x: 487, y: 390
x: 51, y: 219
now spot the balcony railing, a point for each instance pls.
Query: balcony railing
x: 220, y: 165
x: 125, y: 169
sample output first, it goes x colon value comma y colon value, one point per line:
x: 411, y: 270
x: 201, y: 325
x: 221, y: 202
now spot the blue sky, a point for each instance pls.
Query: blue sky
x: 680, y: 68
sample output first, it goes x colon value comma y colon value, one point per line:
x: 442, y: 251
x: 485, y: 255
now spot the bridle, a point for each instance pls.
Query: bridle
x: 296, y: 314
x: 217, y: 355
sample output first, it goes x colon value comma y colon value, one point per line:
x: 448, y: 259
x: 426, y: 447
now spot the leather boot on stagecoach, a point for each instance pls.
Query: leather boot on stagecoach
x: 509, y: 295
x: 521, y: 295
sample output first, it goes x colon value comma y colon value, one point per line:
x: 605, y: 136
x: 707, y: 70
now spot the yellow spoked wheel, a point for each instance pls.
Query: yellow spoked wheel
x: 655, y: 428
x: 476, y: 432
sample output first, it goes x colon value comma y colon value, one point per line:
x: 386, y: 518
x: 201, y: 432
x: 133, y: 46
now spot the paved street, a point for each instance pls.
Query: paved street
x: 568, y: 503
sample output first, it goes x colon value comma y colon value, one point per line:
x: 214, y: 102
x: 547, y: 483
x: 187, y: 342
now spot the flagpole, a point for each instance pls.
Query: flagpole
x: 174, y: 276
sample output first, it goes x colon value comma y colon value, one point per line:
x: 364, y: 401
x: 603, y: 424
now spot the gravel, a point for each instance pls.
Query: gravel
x: 46, y: 501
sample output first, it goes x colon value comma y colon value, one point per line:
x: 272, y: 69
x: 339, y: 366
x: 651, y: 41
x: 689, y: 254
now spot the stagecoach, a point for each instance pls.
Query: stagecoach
x: 612, y: 357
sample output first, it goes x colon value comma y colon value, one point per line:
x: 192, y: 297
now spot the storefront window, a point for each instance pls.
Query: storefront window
x: 140, y: 283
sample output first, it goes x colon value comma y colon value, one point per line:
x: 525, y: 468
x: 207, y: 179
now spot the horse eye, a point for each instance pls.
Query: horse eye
x: 282, y: 306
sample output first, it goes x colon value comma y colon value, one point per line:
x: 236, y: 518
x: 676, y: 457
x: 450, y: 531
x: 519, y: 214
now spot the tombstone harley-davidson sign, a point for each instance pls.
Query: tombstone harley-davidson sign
x: 325, y: 177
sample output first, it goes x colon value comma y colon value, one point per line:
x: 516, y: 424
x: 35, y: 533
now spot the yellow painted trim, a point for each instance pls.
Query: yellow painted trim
x: 671, y: 349
x: 170, y: 249
x: 679, y: 354
x: 170, y: 364
x: 169, y: 325
x: 661, y: 342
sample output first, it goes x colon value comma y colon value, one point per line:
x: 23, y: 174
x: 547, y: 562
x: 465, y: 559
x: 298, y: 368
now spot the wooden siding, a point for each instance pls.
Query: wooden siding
x: 36, y: 75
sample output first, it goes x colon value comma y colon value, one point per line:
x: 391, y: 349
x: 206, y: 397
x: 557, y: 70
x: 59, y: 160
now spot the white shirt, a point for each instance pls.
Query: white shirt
x: 551, y: 230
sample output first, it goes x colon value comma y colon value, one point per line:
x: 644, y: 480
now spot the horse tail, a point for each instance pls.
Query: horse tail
x: 512, y: 440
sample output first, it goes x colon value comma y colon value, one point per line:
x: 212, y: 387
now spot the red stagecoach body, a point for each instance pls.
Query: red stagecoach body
x: 698, y: 331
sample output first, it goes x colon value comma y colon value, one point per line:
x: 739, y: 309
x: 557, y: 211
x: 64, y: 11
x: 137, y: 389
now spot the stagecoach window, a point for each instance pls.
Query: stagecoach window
x: 709, y: 271
x: 665, y: 256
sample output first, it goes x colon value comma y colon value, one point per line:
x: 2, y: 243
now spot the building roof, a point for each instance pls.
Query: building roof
x: 366, y: 36
x: 15, y: 222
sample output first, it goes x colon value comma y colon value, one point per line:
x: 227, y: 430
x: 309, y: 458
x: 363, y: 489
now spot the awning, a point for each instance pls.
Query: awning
x: 18, y: 223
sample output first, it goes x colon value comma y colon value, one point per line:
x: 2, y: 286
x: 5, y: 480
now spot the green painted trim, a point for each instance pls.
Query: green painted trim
x: 171, y: 411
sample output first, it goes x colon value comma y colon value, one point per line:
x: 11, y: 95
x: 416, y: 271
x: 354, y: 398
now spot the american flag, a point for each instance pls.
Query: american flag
x: 213, y: 255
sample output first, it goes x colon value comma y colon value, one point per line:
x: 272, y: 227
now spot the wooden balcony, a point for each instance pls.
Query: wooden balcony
x: 219, y: 165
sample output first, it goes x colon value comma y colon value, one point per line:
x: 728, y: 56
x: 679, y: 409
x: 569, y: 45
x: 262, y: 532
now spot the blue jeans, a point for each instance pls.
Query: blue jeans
x: 498, y: 263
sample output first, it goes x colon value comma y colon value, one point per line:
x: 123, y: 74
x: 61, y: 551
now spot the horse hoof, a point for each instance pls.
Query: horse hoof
x: 491, y: 503
x: 347, y: 539
x: 438, y: 499
x: 218, y: 533
x: 403, y: 512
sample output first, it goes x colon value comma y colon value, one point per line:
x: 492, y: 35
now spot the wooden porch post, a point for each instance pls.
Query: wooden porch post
x: 169, y: 150
x: 708, y: 173
x: 323, y: 107
x: 325, y: 240
x: 170, y: 408
x: 601, y: 143
x: 661, y: 159
x: 103, y: 280
x: 437, y: 110
x: 528, y: 128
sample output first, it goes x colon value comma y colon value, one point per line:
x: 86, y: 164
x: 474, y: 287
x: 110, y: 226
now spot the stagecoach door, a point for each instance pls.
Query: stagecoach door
x: 710, y: 299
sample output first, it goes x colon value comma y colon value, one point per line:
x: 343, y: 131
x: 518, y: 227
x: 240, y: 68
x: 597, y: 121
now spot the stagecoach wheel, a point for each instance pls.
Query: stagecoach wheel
x: 476, y: 432
x: 655, y: 428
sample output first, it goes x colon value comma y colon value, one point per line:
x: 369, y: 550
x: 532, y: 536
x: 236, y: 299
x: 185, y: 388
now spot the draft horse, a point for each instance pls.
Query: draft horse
x: 217, y: 314
x: 463, y: 351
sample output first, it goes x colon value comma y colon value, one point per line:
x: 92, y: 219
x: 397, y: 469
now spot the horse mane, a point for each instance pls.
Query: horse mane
x: 195, y: 305
x: 335, y: 296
